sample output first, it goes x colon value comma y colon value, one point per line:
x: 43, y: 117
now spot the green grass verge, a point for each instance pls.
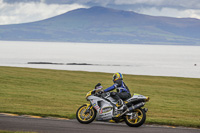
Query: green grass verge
x: 173, y: 100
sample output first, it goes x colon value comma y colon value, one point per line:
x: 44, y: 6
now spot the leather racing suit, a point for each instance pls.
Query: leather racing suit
x: 122, y: 90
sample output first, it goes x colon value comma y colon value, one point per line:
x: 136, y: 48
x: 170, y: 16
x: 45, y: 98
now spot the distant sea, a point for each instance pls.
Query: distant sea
x: 135, y: 59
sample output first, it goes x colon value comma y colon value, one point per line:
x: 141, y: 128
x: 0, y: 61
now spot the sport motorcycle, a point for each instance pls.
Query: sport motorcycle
x: 102, y: 107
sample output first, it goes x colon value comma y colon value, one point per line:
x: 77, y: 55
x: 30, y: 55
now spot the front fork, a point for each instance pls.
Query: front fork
x: 89, y: 106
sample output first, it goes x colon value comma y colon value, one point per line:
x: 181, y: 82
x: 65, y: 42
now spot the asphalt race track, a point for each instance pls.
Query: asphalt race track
x: 53, y: 125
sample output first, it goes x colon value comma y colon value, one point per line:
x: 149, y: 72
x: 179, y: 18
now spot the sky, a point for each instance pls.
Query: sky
x: 22, y: 11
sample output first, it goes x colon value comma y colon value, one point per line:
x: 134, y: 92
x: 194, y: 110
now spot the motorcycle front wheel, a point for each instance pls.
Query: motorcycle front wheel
x: 137, y: 118
x: 84, y: 117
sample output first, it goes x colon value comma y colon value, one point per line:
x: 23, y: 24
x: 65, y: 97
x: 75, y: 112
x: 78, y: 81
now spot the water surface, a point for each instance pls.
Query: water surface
x: 158, y: 60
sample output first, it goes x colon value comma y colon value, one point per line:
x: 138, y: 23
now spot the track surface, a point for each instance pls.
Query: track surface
x: 50, y: 125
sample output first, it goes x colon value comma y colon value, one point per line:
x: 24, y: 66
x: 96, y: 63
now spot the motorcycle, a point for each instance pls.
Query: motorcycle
x: 102, y: 107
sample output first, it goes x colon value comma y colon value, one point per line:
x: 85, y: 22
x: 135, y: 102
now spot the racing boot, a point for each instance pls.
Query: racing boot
x: 121, y: 105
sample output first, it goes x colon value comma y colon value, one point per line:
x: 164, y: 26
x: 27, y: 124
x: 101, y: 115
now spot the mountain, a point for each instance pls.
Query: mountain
x: 105, y: 25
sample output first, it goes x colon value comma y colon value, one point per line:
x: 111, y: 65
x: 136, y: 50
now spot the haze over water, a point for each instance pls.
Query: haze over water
x: 157, y: 60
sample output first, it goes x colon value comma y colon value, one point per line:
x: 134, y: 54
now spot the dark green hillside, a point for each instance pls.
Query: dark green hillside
x: 99, y: 24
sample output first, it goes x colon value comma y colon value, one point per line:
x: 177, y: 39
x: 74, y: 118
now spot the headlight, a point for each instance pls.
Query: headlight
x: 88, y: 94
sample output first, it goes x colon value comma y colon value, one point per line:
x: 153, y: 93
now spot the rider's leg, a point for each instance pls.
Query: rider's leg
x: 120, y: 103
x: 116, y: 96
x: 124, y: 96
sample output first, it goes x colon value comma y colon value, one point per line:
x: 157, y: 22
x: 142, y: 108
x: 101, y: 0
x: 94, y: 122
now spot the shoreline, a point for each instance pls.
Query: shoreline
x: 46, y: 67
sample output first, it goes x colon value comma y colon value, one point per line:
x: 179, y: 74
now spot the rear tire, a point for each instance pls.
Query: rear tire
x: 137, y: 119
x: 85, y: 118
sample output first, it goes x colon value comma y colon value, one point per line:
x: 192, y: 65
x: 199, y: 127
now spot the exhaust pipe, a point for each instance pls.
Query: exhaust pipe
x: 139, y: 105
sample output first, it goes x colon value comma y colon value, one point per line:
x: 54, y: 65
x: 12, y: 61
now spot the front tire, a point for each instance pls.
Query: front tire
x: 137, y: 118
x: 85, y: 118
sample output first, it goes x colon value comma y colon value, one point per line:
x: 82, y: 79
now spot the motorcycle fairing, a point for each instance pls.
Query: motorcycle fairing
x: 105, y: 109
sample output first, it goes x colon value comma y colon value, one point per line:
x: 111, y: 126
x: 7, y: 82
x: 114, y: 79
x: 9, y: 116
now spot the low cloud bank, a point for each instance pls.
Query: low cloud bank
x: 22, y: 12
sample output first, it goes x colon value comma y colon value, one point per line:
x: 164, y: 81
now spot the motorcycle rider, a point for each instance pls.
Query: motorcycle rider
x: 122, y: 93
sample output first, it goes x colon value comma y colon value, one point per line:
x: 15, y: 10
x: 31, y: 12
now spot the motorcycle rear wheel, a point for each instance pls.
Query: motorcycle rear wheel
x: 85, y: 118
x: 137, y: 120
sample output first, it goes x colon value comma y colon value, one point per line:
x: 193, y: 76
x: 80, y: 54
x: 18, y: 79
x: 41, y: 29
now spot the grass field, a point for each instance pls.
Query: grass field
x: 173, y: 101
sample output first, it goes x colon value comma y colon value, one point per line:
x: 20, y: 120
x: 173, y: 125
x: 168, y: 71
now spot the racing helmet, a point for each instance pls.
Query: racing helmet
x: 117, y: 76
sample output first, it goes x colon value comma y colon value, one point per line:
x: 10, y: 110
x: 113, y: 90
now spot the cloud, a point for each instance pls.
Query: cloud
x: 170, y: 8
x: 184, y: 4
x: 21, y: 12
x: 187, y: 4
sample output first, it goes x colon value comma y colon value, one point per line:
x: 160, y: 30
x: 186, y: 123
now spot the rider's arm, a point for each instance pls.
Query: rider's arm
x: 117, y: 83
x: 110, y: 88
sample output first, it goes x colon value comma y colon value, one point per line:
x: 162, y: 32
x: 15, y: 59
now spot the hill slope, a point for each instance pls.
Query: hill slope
x: 99, y: 24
